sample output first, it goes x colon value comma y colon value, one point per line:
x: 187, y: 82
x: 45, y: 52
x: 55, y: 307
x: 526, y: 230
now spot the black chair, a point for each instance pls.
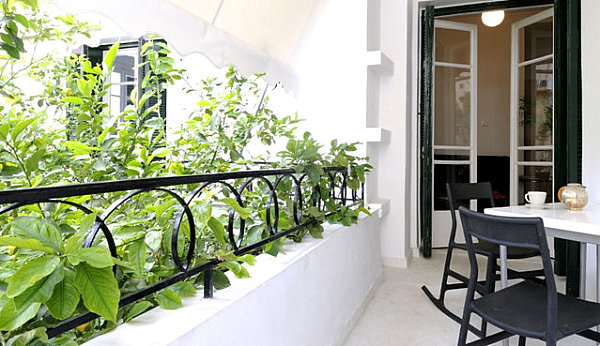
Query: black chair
x: 482, y: 192
x: 528, y: 309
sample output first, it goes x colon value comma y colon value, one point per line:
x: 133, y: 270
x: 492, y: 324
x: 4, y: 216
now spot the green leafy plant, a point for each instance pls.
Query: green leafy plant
x: 64, y: 132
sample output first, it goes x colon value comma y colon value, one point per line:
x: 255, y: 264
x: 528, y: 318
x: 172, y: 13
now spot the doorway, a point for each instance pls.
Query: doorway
x: 492, y: 110
x: 566, y: 105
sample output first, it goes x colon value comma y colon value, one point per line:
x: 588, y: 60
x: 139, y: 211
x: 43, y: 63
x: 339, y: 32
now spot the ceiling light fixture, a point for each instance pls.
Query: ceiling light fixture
x: 492, y: 18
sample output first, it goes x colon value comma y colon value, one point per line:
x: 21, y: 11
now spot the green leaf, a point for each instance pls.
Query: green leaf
x: 22, y: 125
x: 254, y: 234
x: 237, y: 269
x: 73, y: 99
x: 97, y: 256
x: 217, y: 228
x: 31, y: 164
x: 168, y: 299
x: 184, y: 289
x: 220, y: 280
x: 316, y: 231
x: 85, y: 86
x: 12, y: 318
x: 137, y: 309
x: 74, y: 243
x: 314, y: 172
x: 4, y: 129
x: 33, y: 4
x: 109, y: 59
x: 99, y: 290
x: 160, y: 152
x: 47, y: 233
x: 22, y: 19
x: 65, y: 297
x: 62, y: 340
x: 247, y: 258
x: 28, y: 337
x: 244, y: 213
x: 123, y: 264
x: 79, y: 148
x: 136, y: 254
x: 364, y: 210
x: 11, y: 50
x: 32, y: 244
x: 41, y: 291
x: 275, y: 246
x: 30, y: 273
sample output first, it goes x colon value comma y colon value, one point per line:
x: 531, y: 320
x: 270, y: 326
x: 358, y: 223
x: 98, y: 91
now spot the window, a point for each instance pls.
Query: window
x: 127, y: 73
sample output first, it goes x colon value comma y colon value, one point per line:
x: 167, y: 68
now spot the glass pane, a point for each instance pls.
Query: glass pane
x: 534, y: 179
x: 447, y: 154
x: 535, y: 155
x: 536, y: 40
x: 125, y: 61
x: 452, y: 106
x: 443, y: 174
x: 452, y: 46
x: 535, y: 104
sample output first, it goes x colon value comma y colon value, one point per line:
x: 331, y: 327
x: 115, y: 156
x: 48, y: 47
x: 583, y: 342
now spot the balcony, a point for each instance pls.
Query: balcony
x: 351, y: 69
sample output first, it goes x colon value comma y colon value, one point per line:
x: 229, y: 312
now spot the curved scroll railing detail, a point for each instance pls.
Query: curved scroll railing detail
x: 270, y: 190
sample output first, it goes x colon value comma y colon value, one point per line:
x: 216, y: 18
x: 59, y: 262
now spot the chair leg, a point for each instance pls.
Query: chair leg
x: 521, y: 340
x: 490, y: 274
x: 490, y: 282
x: 464, y: 327
x: 444, y: 286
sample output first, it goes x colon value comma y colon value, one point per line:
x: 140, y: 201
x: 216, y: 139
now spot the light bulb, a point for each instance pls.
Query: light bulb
x: 492, y: 18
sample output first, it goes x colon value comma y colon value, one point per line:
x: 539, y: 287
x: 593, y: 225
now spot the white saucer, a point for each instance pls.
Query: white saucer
x: 543, y: 206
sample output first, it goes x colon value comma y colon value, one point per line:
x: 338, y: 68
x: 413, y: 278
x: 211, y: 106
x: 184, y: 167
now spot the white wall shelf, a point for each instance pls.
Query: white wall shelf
x: 380, y: 63
x: 377, y: 135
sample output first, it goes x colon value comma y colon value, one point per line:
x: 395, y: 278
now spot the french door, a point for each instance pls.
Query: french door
x: 454, y: 115
x: 532, y: 107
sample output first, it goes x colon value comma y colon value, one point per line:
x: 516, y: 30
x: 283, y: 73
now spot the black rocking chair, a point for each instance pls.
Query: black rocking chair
x: 482, y: 192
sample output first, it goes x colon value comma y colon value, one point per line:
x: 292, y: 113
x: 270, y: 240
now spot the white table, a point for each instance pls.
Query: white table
x: 581, y: 225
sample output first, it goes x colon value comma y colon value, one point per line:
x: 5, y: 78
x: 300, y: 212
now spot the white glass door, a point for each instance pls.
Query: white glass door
x: 532, y: 114
x: 454, y: 118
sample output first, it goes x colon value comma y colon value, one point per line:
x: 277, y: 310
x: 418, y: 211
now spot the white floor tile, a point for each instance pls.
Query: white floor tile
x: 400, y: 313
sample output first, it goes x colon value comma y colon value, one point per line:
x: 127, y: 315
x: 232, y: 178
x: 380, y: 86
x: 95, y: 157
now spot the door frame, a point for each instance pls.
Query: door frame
x: 567, y: 68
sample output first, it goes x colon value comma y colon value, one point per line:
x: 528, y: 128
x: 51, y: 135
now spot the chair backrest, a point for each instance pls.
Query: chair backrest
x: 459, y: 192
x: 520, y: 232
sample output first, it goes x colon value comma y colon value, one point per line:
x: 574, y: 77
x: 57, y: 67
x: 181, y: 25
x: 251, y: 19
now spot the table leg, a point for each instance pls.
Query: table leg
x: 503, y: 267
x: 597, y: 273
x: 582, y: 271
x: 503, y: 276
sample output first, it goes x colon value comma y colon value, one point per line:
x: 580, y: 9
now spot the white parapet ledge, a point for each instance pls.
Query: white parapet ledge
x: 379, y: 63
x: 380, y: 208
x: 310, y: 294
x: 377, y: 135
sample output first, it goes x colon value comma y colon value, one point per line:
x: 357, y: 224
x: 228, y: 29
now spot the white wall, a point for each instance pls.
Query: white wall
x: 393, y: 157
x: 310, y: 294
x: 329, y: 63
x: 590, y: 71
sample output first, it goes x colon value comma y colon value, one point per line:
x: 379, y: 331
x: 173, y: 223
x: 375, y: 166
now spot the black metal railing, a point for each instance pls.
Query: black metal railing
x: 232, y: 184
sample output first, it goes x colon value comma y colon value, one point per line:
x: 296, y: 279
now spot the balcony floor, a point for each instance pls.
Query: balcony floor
x: 400, y: 313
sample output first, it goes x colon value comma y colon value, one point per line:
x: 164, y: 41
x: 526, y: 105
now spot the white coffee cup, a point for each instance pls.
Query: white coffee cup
x: 536, y: 199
